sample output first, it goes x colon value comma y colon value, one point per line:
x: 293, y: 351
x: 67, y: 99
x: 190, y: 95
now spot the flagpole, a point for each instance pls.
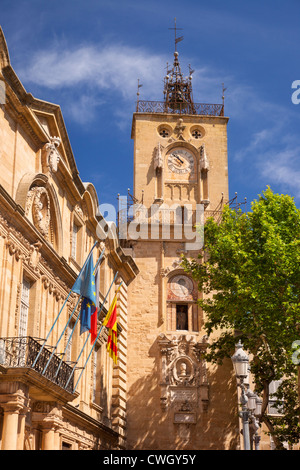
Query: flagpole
x: 70, y: 337
x: 91, y: 350
x: 87, y: 359
x: 90, y: 333
x: 43, y: 345
x: 55, y: 347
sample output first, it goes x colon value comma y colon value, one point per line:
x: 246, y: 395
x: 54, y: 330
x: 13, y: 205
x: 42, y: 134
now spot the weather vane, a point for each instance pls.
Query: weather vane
x: 177, y: 40
x: 223, y: 93
x: 139, y: 85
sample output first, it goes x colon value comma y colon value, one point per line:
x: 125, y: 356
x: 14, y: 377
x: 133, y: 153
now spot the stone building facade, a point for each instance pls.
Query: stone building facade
x: 162, y: 395
x: 48, y: 225
x: 175, y: 399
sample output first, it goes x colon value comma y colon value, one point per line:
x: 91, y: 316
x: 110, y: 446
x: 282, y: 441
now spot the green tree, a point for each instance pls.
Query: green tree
x: 249, y: 274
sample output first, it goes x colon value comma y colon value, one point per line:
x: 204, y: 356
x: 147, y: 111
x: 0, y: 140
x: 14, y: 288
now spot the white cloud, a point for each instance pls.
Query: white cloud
x: 83, y: 109
x: 114, y: 68
x: 93, y: 75
x: 282, y: 168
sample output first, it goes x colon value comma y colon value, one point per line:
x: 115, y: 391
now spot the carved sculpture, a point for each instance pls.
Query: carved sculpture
x: 50, y: 155
x: 204, y: 163
x: 179, y: 129
x: 158, y: 160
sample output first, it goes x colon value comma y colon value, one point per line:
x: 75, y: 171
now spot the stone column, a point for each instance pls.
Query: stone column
x: 10, y: 426
x: 48, y: 438
x: 13, y: 400
x: 47, y: 415
x: 21, y: 431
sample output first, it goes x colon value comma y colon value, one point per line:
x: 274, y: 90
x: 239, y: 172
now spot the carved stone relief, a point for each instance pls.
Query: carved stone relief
x: 175, y: 265
x: 38, y: 207
x: 78, y: 210
x: 184, y: 386
x: 179, y: 129
x: 34, y: 255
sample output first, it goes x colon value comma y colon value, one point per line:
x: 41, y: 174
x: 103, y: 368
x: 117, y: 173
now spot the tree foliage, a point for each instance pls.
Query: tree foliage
x: 249, y: 274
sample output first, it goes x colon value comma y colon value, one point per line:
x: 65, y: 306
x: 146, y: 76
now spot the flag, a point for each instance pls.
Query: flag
x: 110, y: 322
x: 177, y: 40
x: 85, y: 315
x: 85, y: 282
x: 95, y: 308
x: 85, y: 286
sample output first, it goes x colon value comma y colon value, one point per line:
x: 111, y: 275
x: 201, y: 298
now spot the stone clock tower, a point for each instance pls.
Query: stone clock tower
x: 175, y: 400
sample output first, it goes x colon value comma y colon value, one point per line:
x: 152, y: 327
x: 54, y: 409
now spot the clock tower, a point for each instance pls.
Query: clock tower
x: 175, y: 400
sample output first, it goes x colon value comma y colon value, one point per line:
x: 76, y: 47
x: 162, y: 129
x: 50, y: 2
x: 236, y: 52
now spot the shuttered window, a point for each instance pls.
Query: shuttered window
x: 74, y: 241
x: 24, y: 308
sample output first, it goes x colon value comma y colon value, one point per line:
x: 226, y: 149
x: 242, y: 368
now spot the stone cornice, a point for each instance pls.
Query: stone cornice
x: 88, y: 421
x: 40, y: 386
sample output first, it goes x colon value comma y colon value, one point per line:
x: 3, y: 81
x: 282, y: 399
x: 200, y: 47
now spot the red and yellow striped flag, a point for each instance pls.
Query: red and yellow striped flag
x: 110, y: 322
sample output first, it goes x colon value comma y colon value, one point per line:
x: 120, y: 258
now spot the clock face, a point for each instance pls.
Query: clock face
x: 181, y: 286
x: 180, y: 161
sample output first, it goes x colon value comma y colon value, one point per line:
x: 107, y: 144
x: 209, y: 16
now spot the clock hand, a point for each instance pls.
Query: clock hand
x: 178, y: 158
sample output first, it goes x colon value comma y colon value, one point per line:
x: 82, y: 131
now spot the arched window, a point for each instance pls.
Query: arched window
x: 182, y: 309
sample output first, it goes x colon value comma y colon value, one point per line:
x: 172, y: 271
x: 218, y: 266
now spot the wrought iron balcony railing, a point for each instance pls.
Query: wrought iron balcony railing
x: 165, y: 216
x: 201, y: 109
x: 22, y: 351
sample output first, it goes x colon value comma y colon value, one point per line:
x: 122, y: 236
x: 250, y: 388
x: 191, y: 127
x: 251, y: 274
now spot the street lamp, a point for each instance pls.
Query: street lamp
x: 254, y: 406
x: 240, y: 362
x: 257, y: 413
x: 258, y: 406
x: 251, y: 401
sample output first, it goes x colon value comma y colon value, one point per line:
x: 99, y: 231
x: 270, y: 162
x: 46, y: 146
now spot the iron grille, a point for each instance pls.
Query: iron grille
x: 22, y: 352
x: 201, y: 109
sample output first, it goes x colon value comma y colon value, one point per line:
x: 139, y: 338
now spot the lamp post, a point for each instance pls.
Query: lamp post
x: 240, y: 363
x: 257, y: 413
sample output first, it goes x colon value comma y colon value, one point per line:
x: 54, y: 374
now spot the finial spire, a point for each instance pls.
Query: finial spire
x: 177, y: 40
x: 178, y: 89
x: 139, y: 85
x: 223, y: 93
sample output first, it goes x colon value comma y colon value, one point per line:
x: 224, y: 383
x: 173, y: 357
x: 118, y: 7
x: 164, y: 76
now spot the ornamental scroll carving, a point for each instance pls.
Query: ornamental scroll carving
x: 38, y: 207
x: 184, y: 385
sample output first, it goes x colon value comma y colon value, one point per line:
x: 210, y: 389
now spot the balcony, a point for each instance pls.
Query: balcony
x: 20, y: 353
x: 201, y: 109
x: 176, y: 215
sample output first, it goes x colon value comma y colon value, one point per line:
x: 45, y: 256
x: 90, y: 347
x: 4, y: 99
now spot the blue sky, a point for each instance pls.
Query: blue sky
x: 87, y: 56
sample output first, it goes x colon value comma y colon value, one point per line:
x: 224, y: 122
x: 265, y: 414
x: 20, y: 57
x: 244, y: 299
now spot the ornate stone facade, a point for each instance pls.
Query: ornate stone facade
x: 184, y: 385
x: 175, y: 399
x: 48, y: 225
